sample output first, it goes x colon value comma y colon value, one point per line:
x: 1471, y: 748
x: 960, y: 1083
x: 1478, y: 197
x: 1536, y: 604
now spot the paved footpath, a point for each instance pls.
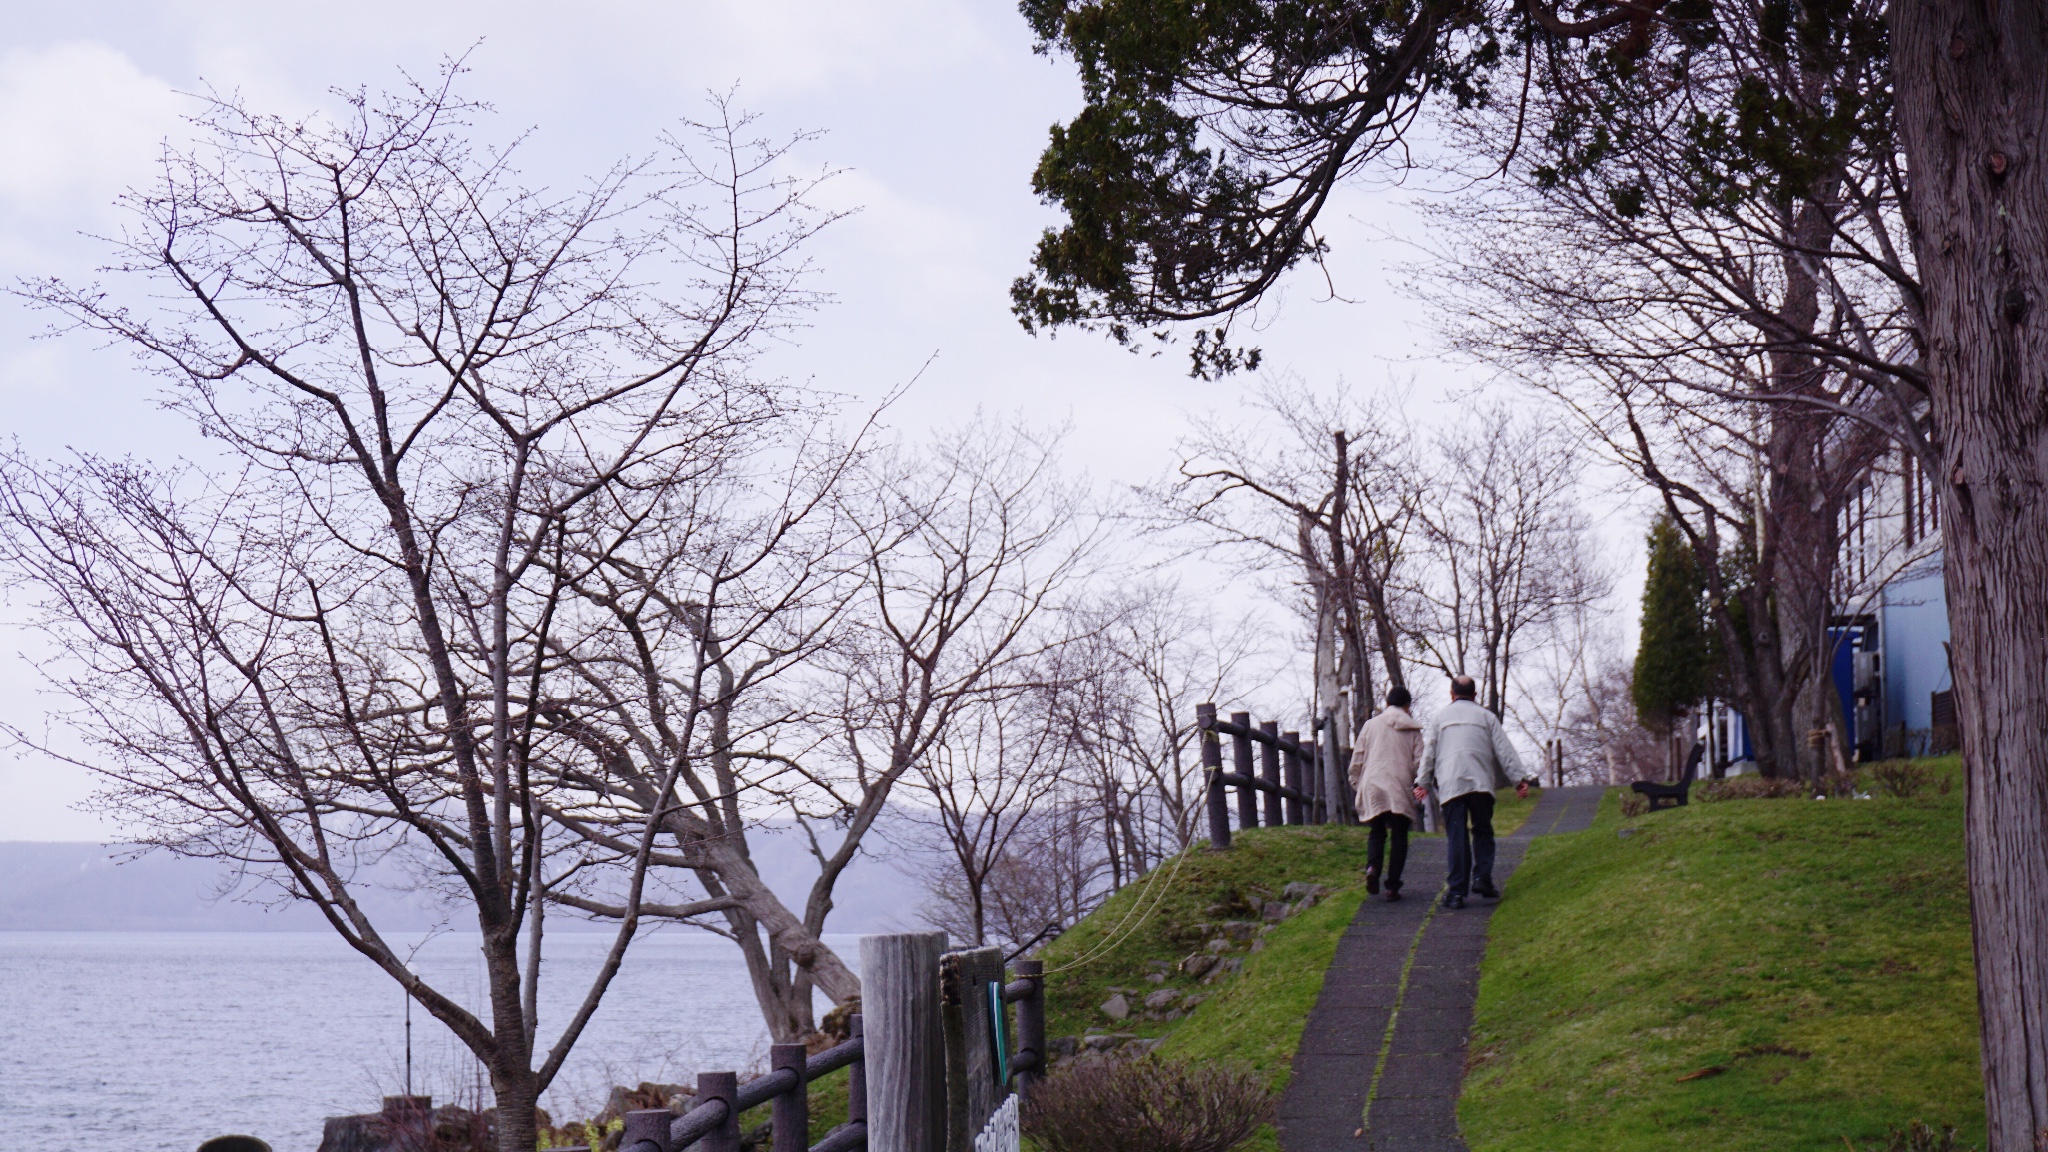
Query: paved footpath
x: 1382, y: 1058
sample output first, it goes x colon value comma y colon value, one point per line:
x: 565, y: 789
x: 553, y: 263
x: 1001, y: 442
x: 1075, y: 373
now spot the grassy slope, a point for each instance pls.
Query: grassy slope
x: 1256, y: 1017
x: 1817, y: 950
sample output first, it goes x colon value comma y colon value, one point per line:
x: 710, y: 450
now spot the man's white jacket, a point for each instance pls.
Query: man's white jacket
x: 1465, y: 750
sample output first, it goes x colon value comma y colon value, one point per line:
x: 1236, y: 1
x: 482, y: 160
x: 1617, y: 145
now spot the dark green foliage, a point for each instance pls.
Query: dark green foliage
x: 1674, y: 659
x: 1813, y: 91
x: 1214, y: 131
x: 1148, y: 1105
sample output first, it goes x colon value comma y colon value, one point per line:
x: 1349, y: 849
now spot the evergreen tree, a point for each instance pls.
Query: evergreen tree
x: 1674, y: 659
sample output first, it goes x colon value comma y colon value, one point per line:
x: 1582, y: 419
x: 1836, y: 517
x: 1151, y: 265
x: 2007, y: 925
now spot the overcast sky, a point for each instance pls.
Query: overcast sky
x: 935, y: 109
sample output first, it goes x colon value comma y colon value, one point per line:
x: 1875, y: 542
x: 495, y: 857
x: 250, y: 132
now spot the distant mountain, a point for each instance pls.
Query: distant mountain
x: 57, y: 886
x: 75, y: 887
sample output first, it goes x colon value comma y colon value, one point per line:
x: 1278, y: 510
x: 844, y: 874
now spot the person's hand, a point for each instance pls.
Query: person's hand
x: 1421, y: 793
x: 1522, y: 790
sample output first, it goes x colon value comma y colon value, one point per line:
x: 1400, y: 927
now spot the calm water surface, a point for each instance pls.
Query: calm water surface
x: 145, y: 1041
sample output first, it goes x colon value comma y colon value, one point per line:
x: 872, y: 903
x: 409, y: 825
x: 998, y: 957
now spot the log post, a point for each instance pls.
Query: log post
x: 1212, y: 776
x: 790, y: 1115
x: 1241, y: 763
x: 1340, y: 760
x: 857, y: 1076
x: 646, y: 1124
x: 1312, y: 769
x: 720, y: 1086
x: 1031, y: 1027
x: 1293, y: 759
x: 1333, y: 783
x: 906, y: 1053
x: 1269, y: 771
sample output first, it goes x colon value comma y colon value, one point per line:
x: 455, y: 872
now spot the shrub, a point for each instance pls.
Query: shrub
x: 1146, y: 1105
x: 1901, y: 778
x: 1748, y: 788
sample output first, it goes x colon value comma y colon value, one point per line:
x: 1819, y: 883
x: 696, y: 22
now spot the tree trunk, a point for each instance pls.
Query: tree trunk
x: 516, y: 1092
x: 734, y: 872
x: 1972, y: 100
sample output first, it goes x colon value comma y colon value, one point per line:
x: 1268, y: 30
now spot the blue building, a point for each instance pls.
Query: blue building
x: 1914, y: 628
x: 1892, y: 668
x: 1890, y: 628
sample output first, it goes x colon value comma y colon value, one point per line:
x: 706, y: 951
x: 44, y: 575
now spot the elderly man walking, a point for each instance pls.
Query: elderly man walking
x: 1466, y: 755
x: 1382, y: 776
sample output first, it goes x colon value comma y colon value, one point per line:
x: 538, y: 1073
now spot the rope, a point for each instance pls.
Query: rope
x: 1121, y: 933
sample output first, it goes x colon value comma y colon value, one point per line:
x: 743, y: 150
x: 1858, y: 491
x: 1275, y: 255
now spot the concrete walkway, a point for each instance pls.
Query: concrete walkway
x: 1382, y: 1058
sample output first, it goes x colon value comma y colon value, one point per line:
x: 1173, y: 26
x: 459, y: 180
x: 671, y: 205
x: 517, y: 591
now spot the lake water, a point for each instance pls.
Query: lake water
x: 159, y: 1040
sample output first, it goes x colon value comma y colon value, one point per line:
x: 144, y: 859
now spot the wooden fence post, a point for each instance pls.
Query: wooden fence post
x: 721, y: 1086
x: 906, y: 1050
x: 1333, y: 786
x: 1031, y: 1026
x: 1318, y: 808
x: 790, y: 1115
x: 1269, y: 771
x: 857, y: 1075
x: 649, y: 1124
x: 1293, y: 740
x: 975, y: 1083
x: 1241, y: 763
x: 1340, y: 763
x: 1212, y: 776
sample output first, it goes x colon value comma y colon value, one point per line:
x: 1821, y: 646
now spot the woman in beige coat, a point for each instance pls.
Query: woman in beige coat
x: 1383, y: 779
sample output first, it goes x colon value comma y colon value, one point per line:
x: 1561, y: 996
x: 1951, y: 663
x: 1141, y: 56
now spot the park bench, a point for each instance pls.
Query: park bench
x: 1672, y: 795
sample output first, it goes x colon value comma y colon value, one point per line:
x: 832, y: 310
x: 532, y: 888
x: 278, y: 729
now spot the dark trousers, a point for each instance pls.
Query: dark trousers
x: 1376, y: 845
x: 1471, y: 849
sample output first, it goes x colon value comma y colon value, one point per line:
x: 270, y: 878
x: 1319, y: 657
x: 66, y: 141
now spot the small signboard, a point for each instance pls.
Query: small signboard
x: 972, y: 1018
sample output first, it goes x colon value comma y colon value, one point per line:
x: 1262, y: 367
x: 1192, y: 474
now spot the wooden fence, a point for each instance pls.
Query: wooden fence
x: 1300, y: 781
x: 932, y: 1056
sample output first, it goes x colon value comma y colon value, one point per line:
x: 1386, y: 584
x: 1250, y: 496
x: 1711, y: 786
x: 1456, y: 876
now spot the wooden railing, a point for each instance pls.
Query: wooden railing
x: 901, y: 978
x: 714, y: 1124
x: 1300, y: 781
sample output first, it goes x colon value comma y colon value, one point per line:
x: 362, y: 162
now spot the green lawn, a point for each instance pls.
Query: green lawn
x: 1764, y: 974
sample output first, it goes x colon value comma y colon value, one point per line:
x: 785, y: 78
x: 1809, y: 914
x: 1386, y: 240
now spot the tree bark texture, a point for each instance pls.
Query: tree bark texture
x: 1971, y: 81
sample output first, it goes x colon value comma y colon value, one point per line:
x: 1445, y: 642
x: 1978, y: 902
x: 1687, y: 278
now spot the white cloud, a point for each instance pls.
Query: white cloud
x: 79, y: 123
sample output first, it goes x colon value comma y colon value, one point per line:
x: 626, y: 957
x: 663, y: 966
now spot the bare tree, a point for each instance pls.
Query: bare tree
x: 1062, y: 795
x: 1604, y: 742
x: 330, y: 642
x: 1327, y: 494
x: 1741, y: 341
x: 1507, y: 549
x: 702, y: 617
x: 987, y: 782
x: 1054, y: 873
x: 1144, y: 657
x: 918, y: 589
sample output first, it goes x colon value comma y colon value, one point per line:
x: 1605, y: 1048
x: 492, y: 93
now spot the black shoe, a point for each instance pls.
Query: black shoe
x: 1454, y: 901
x: 1486, y: 890
x: 1372, y: 880
x: 1393, y: 895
